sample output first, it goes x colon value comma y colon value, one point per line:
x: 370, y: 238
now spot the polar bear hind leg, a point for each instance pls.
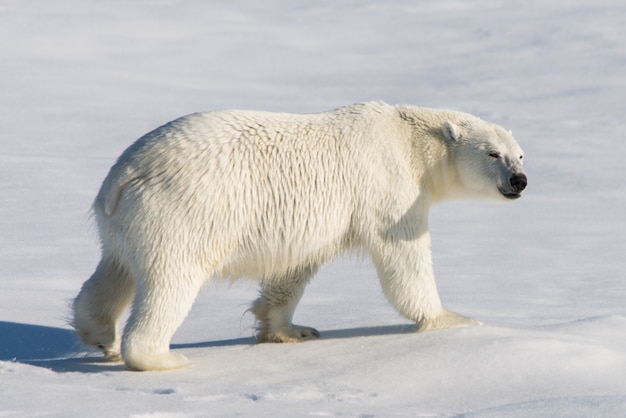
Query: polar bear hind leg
x: 100, y: 304
x: 275, y: 307
x: 158, y: 310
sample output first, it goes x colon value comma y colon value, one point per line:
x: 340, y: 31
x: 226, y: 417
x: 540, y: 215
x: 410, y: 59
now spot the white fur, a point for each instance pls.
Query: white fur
x: 273, y: 196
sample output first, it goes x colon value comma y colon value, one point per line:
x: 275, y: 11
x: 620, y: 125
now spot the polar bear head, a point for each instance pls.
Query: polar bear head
x: 487, y: 158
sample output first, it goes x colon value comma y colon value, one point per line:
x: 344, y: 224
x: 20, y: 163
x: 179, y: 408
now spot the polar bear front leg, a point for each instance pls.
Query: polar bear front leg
x: 405, y: 270
x: 275, y: 307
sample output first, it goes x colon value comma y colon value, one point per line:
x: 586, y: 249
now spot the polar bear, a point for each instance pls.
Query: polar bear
x: 272, y: 196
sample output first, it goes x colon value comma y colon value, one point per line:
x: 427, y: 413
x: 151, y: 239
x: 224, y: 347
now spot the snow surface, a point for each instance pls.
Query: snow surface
x: 81, y: 80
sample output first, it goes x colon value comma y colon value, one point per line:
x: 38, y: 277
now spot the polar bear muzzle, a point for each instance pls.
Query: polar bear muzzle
x: 518, y: 183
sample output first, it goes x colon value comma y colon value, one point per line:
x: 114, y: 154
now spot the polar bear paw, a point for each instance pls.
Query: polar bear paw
x: 111, y: 354
x: 110, y: 346
x: 155, y: 361
x: 291, y: 334
x: 446, y: 320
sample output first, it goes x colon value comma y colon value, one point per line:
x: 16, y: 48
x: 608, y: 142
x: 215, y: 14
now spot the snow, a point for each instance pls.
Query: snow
x: 82, y: 80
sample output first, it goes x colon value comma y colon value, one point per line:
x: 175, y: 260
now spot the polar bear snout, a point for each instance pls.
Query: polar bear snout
x: 518, y: 182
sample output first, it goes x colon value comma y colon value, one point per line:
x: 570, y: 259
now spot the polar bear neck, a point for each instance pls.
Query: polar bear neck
x: 431, y: 156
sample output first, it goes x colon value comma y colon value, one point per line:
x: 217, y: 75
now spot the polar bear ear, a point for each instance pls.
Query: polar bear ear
x: 451, y: 131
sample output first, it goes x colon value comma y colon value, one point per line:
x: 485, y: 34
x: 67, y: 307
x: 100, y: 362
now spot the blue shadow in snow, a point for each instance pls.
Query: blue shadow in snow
x: 59, y: 349
x: 52, y: 348
x: 324, y: 335
x: 25, y: 342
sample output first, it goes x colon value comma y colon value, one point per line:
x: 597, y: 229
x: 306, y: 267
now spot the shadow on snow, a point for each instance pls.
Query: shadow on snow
x: 59, y: 349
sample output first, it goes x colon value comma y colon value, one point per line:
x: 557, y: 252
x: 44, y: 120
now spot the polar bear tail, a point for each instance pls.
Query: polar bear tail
x: 112, y: 194
x: 111, y: 191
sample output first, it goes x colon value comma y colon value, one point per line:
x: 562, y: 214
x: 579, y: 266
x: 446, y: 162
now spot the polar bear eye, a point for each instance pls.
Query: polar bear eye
x: 494, y: 154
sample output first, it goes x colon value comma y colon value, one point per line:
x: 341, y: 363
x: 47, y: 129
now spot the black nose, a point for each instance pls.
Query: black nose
x: 518, y: 182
